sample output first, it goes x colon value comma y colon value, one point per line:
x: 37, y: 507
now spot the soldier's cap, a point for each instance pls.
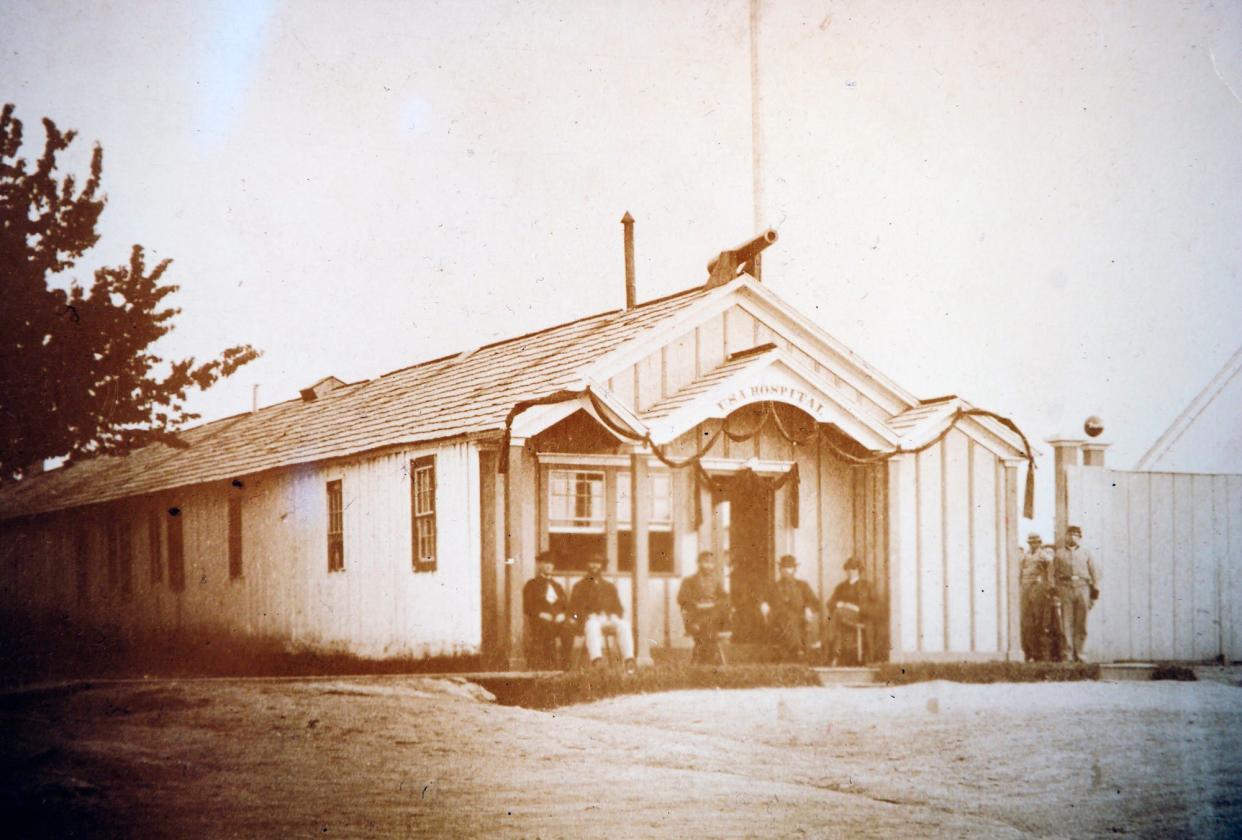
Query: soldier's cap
x: 546, y: 557
x: 1034, y: 537
x: 1074, y: 529
x: 789, y: 562
x: 853, y: 563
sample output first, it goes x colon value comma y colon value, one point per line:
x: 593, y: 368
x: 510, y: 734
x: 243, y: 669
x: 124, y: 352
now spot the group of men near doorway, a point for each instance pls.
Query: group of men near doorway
x: 790, y: 612
x: 1059, y: 587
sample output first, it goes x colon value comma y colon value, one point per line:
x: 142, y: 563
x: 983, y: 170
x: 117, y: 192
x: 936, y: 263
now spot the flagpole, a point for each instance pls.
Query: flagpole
x: 756, y: 132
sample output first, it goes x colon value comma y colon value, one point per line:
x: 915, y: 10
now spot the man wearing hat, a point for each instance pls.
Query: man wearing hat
x: 790, y: 609
x: 848, y: 613
x: 1077, y: 587
x: 705, y: 610
x: 546, y: 607
x: 1033, y: 581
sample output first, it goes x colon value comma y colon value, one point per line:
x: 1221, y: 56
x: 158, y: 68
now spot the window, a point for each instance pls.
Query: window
x: 81, y: 553
x: 120, y: 558
x: 154, y: 548
x: 176, y: 551
x: 575, y: 517
x: 235, y: 536
x: 659, y: 527
x: 112, y: 548
x: 423, y: 505
x: 336, y: 528
x: 125, y: 557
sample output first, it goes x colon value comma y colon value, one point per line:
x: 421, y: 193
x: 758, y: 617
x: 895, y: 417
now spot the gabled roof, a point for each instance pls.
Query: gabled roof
x: 472, y: 393
x: 1192, y: 412
x: 455, y: 395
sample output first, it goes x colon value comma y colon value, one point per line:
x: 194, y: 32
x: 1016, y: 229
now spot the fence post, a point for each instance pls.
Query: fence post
x: 1065, y: 454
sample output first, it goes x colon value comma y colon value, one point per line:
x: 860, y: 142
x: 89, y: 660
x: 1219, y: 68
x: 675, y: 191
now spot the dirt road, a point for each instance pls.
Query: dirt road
x: 397, y: 756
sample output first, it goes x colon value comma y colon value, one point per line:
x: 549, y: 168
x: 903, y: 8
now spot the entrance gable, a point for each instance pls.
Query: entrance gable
x: 738, y: 316
x: 765, y: 375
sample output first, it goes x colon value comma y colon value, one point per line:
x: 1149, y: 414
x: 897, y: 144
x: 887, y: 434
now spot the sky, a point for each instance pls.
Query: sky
x: 1035, y: 206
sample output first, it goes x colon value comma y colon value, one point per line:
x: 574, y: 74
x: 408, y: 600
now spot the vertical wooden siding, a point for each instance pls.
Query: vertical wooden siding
x: 1168, y: 547
x: 378, y: 606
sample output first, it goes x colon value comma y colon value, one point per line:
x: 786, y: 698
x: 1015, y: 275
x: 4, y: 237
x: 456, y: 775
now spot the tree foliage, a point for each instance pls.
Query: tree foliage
x: 77, y: 375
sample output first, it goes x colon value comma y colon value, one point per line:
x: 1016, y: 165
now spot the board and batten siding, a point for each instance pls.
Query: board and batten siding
x: 668, y: 369
x: 950, y: 510
x: 377, y: 606
x: 1168, y: 549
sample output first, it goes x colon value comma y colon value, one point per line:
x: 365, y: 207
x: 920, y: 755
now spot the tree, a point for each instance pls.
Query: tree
x: 77, y: 376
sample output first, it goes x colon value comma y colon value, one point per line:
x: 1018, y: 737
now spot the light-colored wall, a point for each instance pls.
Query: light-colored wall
x: 378, y: 606
x: 950, y: 563
x: 1169, y: 551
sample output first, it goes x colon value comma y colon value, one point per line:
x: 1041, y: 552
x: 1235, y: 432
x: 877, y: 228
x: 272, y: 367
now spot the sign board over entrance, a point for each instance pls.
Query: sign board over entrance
x: 777, y: 392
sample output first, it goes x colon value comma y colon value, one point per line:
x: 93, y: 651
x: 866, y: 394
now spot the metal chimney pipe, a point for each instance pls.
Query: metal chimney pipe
x: 254, y: 398
x: 631, y: 289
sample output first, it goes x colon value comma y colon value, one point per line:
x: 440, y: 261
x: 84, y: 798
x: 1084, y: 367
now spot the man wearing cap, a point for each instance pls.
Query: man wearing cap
x: 1077, y: 587
x: 596, y: 608
x: 789, y: 609
x: 1033, y: 579
x: 848, y: 609
x: 704, y: 610
x: 547, y: 616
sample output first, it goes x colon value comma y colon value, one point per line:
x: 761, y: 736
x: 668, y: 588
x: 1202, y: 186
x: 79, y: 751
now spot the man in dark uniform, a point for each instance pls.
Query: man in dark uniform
x: 848, y: 609
x: 596, y: 608
x: 1078, y: 585
x: 704, y: 610
x: 1031, y: 579
x: 790, y: 609
x: 547, y: 616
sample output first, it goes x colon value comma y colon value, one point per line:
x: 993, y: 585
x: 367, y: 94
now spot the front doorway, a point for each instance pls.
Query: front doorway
x: 745, y: 536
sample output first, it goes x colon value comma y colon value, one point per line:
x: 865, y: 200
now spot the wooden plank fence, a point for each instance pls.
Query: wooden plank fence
x: 1168, y: 547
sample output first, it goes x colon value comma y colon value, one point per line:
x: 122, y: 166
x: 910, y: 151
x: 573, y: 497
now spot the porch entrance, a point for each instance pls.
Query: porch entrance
x: 745, y: 537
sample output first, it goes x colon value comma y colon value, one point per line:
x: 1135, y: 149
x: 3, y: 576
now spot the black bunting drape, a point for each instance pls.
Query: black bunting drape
x: 770, y: 414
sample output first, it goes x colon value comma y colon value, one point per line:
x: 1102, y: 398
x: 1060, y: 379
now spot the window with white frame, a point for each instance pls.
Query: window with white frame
x: 659, y: 526
x: 423, y: 510
x: 576, y: 517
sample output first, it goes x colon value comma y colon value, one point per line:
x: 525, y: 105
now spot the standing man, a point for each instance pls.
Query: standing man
x: 1030, y: 582
x: 790, y: 609
x: 1049, y: 607
x: 1078, y: 588
x: 704, y: 610
x: 547, y: 616
x: 596, y: 608
x: 848, y: 609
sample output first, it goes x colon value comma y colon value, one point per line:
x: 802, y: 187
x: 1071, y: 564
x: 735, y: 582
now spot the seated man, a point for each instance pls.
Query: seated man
x: 848, y: 609
x: 704, y: 610
x: 790, y: 610
x: 597, y: 609
x: 547, y: 617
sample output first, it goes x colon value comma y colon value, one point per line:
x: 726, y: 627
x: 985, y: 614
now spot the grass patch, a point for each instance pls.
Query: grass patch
x: 547, y: 691
x: 1170, y: 671
x: 987, y: 672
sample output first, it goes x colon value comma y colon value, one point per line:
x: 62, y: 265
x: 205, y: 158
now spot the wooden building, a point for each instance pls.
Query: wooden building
x: 401, y: 515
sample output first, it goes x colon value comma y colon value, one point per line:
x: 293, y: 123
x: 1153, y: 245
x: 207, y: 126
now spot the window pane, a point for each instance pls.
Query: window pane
x: 661, y: 502
x: 573, y: 550
x: 576, y: 500
x: 659, y: 552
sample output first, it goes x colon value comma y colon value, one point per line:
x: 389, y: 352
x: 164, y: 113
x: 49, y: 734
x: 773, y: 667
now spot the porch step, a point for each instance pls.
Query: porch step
x: 1126, y: 671
x: 845, y: 676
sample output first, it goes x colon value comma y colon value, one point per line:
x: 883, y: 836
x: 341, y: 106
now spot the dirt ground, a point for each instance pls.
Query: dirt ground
x: 409, y: 756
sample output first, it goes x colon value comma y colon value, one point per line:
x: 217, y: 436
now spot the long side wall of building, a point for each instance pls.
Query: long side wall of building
x: 78, y: 565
